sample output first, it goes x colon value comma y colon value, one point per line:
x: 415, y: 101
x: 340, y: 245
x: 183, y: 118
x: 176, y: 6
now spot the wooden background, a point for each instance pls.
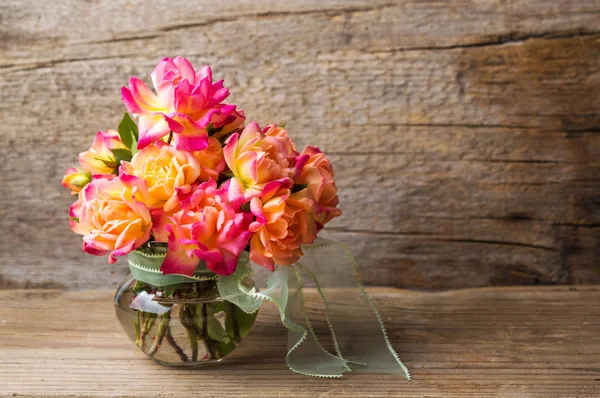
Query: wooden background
x: 464, y: 134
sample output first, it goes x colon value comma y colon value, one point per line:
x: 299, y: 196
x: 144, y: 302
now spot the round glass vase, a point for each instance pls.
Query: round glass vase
x: 180, y: 324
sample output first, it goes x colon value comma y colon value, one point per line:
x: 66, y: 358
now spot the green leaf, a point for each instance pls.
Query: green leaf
x: 224, y: 176
x: 224, y: 138
x: 128, y: 132
x: 245, y: 207
x: 209, y: 129
x: 212, y: 131
x: 299, y: 187
x: 226, y: 348
x: 76, y: 219
x: 215, y: 329
x: 111, y: 163
x: 238, y: 319
x: 121, y: 154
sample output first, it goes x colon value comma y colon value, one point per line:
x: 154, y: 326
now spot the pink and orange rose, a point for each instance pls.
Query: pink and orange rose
x: 282, y: 224
x: 314, y: 171
x: 111, y: 216
x: 208, y: 228
x: 259, y: 161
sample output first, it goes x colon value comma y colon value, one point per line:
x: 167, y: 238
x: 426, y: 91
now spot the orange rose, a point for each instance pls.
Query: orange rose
x: 111, y: 216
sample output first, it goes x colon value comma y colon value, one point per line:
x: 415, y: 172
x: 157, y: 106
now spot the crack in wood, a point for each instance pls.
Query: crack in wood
x: 454, y: 125
x: 495, y: 242
x: 524, y: 218
x: 382, y: 233
x: 54, y: 62
x: 275, y: 14
x: 516, y: 161
x: 433, y: 158
x: 513, y: 38
x: 122, y: 39
x: 583, y: 130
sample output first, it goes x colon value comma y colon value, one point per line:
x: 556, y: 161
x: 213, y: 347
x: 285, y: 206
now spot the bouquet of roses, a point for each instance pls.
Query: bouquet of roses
x: 182, y: 169
x: 194, y: 196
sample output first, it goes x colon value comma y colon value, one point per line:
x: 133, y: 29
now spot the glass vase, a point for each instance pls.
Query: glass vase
x: 186, y: 324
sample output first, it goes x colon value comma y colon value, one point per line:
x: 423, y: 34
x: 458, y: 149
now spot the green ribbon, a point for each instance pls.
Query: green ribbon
x: 359, y: 344
x: 145, y: 267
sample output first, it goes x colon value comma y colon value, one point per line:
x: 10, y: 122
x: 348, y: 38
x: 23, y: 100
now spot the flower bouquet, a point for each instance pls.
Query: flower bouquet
x: 199, y: 201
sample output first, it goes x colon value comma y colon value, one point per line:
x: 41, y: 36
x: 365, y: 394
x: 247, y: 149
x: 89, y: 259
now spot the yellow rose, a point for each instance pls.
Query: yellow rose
x: 166, y: 172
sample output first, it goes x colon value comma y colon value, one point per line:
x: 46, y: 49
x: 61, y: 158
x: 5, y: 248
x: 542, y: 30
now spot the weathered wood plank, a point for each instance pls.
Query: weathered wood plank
x: 479, y: 342
x: 464, y: 134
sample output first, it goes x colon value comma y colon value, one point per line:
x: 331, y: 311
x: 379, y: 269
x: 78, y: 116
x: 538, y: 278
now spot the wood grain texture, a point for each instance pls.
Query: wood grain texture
x: 464, y: 134
x: 490, y: 342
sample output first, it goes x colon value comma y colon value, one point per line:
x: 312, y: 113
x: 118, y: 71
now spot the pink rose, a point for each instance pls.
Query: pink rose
x: 186, y: 102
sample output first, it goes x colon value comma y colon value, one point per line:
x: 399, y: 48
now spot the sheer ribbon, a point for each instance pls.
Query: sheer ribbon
x: 323, y: 340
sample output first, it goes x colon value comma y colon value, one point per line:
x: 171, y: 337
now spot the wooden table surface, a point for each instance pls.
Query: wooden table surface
x: 540, y: 341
